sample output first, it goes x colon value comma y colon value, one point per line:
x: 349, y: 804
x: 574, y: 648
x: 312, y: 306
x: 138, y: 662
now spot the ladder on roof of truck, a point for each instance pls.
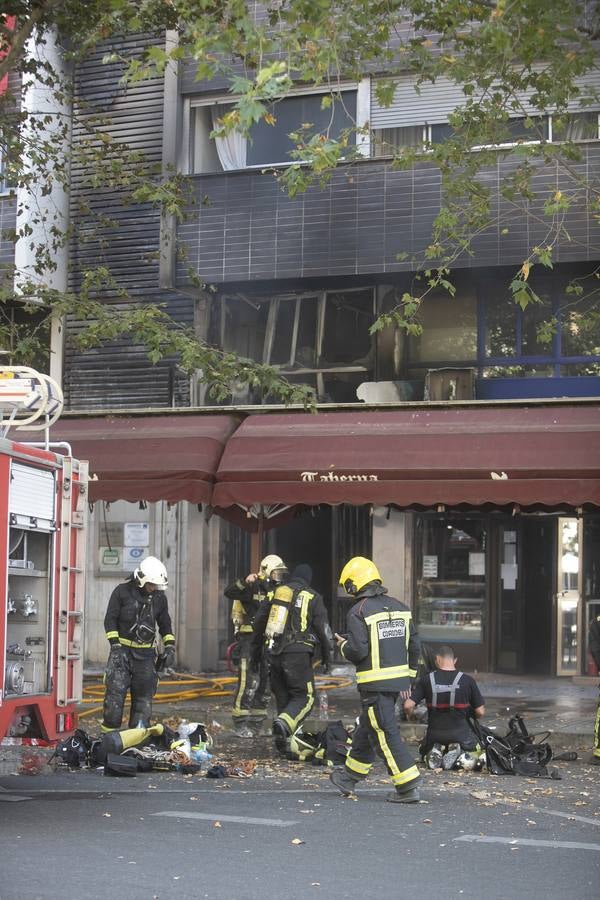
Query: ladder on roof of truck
x: 28, y: 399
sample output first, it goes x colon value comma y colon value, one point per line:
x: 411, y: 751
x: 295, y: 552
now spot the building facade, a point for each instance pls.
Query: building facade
x: 493, y: 541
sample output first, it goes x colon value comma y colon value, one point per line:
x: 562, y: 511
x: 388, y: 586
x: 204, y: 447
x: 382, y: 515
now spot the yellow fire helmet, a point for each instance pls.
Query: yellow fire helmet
x: 273, y: 567
x: 358, y: 572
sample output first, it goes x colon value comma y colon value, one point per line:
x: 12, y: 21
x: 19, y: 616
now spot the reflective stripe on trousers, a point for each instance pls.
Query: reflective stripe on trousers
x: 293, y: 684
x: 378, y: 733
x: 137, y: 675
x: 252, y: 693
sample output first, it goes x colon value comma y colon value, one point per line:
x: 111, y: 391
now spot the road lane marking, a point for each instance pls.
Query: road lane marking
x: 217, y: 817
x: 569, y: 816
x: 526, y: 842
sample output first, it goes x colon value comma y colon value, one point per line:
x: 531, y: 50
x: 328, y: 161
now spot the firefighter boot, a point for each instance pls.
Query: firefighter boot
x: 450, y: 758
x: 410, y: 796
x: 242, y: 730
x: 255, y: 724
x: 434, y: 757
x: 280, y: 735
x: 343, y: 781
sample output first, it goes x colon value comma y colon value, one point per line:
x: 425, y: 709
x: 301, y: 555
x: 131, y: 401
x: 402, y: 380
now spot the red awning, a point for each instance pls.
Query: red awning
x: 163, y: 457
x: 537, y: 456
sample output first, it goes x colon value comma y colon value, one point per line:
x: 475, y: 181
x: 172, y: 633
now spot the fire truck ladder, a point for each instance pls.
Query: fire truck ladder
x: 73, y: 512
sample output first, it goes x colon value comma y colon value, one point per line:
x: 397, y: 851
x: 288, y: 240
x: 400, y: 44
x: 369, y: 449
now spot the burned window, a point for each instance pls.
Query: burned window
x: 320, y: 339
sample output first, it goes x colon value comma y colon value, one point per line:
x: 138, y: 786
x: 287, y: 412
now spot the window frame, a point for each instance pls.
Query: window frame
x: 554, y: 359
x: 290, y: 368
x: 207, y: 100
x: 5, y: 188
x: 505, y: 145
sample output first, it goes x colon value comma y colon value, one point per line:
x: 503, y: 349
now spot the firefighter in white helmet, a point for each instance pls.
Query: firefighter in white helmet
x: 252, y: 695
x: 135, y: 610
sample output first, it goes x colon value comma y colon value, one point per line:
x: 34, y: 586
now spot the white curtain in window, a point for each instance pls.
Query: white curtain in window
x: 231, y: 148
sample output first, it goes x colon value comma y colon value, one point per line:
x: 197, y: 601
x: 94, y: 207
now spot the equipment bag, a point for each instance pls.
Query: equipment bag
x: 120, y: 765
x: 74, y: 751
x: 334, y: 745
x: 515, y: 754
x: 531, y: 751
x: 323, y: 748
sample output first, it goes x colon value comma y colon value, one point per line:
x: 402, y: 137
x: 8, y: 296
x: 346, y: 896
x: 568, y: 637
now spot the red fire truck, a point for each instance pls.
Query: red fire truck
x: 43, y: 512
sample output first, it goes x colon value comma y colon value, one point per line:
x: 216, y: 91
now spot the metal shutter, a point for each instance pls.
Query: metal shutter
x: 32, y: 494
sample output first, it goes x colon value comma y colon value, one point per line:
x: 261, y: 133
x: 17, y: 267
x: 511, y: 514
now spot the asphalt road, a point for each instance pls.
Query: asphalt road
x: 291, y: 836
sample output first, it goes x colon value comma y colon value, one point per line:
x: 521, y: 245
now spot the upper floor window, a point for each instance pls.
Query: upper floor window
x: 510, y: 344
x: 5, y: 185
x: 320, y: 339
x: 481, y: 327
x: 534, y: 129
x: 266, y: 144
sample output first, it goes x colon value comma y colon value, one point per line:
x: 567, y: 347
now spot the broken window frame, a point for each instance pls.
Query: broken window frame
x: 291, y: 367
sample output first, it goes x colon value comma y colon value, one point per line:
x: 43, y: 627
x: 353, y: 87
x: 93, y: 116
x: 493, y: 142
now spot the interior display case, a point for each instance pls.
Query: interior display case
x: 451, y: 590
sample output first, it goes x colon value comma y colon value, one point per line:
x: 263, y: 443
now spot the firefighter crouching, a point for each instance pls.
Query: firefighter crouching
x: 252, y: 694
x: 291, y: 624
x: 134, y: 611
x: 383, y: 644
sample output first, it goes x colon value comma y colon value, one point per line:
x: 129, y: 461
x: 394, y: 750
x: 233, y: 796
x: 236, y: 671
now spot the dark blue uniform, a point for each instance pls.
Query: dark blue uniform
x: 383, y: 643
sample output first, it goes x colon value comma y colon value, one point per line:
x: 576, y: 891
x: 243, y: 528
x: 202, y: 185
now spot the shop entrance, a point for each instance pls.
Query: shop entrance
x: 325, y: 537
x: 451, y: 565
x: 525, y: 588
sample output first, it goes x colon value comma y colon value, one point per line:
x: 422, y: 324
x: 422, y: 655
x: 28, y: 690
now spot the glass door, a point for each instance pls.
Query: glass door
x: 567, y: 597
x: 509, y: 621
x: 451, y: 586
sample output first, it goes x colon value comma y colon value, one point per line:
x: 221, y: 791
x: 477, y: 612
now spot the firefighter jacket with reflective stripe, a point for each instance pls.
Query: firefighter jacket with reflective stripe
x: 246, y: 600
x: 306, y: 623
x: 132, y: 617
x: 594, y: 641
x: 382, y: 641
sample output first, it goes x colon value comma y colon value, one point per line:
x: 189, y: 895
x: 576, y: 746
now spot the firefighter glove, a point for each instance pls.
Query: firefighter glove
x: 116, y: 659
x: 169, y: 657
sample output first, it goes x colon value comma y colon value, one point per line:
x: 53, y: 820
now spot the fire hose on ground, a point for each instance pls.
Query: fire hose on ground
x: 194, y: 687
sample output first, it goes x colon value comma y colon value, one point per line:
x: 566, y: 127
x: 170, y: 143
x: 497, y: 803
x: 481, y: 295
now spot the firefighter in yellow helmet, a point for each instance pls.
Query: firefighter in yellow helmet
x: 383, y: 644
x: 293, y: 626
x: 252, y: 694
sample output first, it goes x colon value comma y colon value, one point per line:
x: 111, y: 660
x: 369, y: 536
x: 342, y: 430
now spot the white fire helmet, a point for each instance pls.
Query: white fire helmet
x: 272, y: 567
x: 151, y: 571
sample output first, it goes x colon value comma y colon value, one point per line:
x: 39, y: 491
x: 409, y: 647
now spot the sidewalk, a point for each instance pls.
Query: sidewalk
x: 560, y: 706
x: 557, y: 705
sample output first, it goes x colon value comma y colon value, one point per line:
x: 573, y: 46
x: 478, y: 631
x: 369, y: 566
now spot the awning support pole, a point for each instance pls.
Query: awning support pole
x: 256, y: 543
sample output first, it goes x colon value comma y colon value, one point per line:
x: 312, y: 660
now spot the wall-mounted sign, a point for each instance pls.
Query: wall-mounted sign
x: 110, y: 559
x: 430, y: 567
x: 132, y: 557
x: 476, y: 563
x: 137, y: 534
x: 333, y: 476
